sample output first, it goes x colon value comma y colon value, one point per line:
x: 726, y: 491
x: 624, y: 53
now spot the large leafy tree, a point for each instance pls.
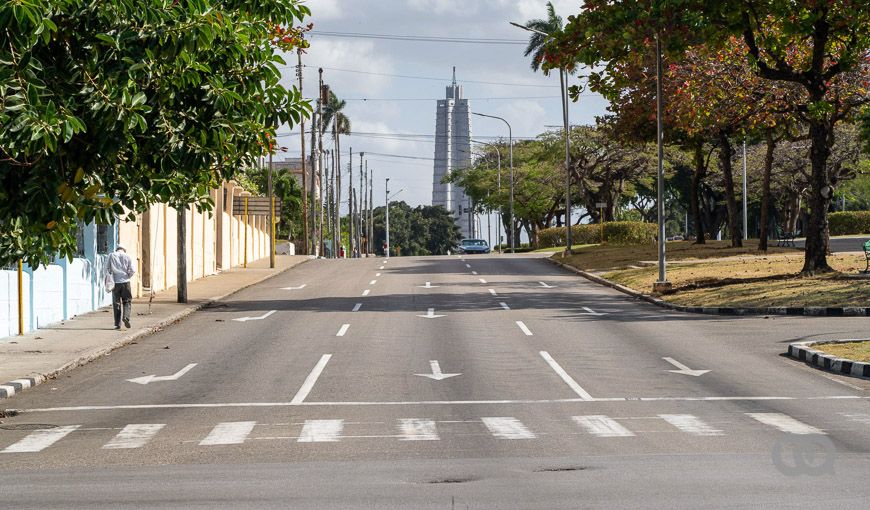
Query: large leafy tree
x: 807, y: 43
x: 107, y: 106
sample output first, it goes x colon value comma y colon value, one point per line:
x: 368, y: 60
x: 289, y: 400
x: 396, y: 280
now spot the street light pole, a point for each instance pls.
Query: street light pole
x: 387, y: 228
x: 745, y: 200
x: 498, y: 184
x: 511, y: 156
x: 662, y: 283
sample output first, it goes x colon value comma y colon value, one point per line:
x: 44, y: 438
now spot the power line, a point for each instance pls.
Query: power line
x: 429, y: 78
x: 418, y: 38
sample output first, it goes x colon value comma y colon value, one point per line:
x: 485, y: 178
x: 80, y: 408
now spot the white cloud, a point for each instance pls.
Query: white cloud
x: 460, y: 7
x: 324, y: 9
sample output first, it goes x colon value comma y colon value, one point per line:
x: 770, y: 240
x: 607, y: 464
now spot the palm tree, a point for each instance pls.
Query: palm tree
x: 333, y: 115
x: 552, y: 25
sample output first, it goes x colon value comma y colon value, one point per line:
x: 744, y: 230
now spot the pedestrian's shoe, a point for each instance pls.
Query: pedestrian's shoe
x: 117, y: 327
x: 127, y: 323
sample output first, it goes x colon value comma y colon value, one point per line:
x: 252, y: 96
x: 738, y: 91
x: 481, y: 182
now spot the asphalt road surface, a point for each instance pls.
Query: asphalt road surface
x: 445, y: 382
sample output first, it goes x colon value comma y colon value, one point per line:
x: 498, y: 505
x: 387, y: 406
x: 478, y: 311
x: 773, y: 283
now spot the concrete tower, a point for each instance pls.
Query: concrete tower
x: 453, y: 152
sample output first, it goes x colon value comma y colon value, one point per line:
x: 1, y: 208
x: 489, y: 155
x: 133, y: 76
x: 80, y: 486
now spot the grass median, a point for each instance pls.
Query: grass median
x: 855, y: 351
x: 715, y: 274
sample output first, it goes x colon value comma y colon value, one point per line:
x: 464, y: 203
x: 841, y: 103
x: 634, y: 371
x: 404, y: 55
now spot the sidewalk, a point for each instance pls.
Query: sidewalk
x: 29, y: 360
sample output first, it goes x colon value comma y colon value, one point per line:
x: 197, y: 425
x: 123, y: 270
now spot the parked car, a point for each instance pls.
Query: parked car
x: 471, y: 246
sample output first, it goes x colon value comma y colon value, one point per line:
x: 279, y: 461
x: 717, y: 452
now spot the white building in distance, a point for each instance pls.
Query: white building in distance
x: 453, y: 152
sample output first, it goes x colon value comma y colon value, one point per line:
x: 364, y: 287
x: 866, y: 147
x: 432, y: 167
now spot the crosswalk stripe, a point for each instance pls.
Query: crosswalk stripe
x: 230, y: 432
x: 319, y: 431
x: 602, y: 426
x: 135, y: 435
x: 507, y: 428
x: 39, y: 440
x: 414, y: 429
x: 691, y: 424
x: 859, y: 417
x: 784, y: 423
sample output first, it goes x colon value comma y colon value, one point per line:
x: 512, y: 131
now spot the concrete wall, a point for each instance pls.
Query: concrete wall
x: 215, y: 241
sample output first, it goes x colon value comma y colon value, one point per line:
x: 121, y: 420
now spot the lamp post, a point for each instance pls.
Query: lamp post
x: 511, y: 151
x: 563, y: 84
x: 387, y: 229
x: 662, y: 284
x: 498, y: 184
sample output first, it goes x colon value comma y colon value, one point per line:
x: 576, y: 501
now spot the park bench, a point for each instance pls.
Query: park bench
x: 784, y: 238
x: 867, y: 256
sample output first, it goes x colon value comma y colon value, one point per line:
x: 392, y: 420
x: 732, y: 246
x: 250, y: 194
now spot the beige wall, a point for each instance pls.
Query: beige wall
x: 215, y: 241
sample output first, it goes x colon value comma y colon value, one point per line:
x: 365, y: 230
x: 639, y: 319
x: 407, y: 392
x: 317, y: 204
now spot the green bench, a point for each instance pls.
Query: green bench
x: 784, y: 238
x: 867, y: 256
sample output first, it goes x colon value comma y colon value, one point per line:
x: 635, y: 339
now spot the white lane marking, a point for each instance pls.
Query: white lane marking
x: 352, y: 403
x: 590, y: 311
x: 474, y: 272
x: 468, y: 266
x: 430, y: 314
x: 482, y: 280
x: 602, y: 426
x: 321, y: 431
x: 784, y: 423
x: 373, y: 282
x: 525, y: 328
x: 385, y: 261
x: 377, y: 274
x: 507, y: 428
x: 683, y: 369
x: 381, y: 267
x: 428, y: 286
x: 544, y: 285
x: 691, y: 424
x: 492, y: 291
x: 356, y: 307
x: 505, y: 306
x: 230, y: 432
x: 859, y: 417
x: 261, y: 317
x: 437, y: 374
x: 300, y: 287
x: 565, y: 377
x: 145, y: 379
x: 366, y: 292
x: 308, y: 384
x: 135, y: 435
x: 414, y: 429
x: 39, y: 440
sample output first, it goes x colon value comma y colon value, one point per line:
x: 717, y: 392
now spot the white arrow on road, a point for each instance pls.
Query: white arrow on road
x: 544, y: 285
x: 428, y: 286
x: 436, y: 372
x: 295, y: 288
x: 158, y: 378
x: 590, y: 311
x: 430, y: 314
x: 683, y: 369
x: 246, y: 319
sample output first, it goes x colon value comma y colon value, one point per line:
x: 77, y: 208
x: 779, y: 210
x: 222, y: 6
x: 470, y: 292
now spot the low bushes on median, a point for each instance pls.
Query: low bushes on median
x: 615, y: 232
x: 849, y: 222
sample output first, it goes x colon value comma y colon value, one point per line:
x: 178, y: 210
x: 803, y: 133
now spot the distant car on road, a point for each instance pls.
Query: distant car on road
x: 471, y: 246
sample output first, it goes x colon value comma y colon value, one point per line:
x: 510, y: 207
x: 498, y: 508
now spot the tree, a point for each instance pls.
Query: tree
x: 807, y: 43
x: 538, y: 42
x: 111, y: 106
x: 424, y: 230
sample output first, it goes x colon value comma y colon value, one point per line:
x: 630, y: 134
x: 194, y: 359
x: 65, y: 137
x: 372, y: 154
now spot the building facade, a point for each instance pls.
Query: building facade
x: 453, y: 152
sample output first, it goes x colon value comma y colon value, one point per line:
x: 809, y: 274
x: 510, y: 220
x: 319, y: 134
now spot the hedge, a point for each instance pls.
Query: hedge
x: 615, y: 232
x: 849, y: 222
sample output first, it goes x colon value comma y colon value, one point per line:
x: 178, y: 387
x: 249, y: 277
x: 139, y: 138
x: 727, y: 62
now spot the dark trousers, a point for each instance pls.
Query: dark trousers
x: 121, y: 295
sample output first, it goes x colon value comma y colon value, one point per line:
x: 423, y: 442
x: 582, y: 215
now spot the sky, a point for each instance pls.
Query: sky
x: 385, y: 109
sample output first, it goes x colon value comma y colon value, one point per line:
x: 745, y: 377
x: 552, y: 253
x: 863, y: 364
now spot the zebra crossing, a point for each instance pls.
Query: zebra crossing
x: 139, y: 435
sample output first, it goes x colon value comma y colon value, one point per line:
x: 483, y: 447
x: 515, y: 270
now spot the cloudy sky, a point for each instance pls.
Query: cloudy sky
x: 385, y: 109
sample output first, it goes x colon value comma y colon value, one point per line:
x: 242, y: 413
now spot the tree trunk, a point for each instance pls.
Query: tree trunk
x: 815, y: 256
x: 725, y: 151
x: 697, y: 177
x: 765, y: 190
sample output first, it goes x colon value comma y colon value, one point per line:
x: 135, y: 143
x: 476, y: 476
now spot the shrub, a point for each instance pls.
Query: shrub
x: 615, y: 232
x: 849, y: 222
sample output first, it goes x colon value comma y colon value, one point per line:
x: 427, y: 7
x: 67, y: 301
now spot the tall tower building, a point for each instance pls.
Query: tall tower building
x: 453, y: 152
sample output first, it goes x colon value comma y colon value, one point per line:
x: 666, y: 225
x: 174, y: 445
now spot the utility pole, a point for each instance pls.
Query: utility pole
x: 365, y: 208
x: 387, y: 227
x: 315, y: 169
x: 304, y: 174
x: 181, y: 253
x: 358, y: 201
x: 271, y: 212
x: 350, y: 237
x: 745, y: 198
x: 371, y: 213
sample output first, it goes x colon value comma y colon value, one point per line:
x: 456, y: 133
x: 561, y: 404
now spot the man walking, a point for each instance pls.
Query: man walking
x: 121, y: 270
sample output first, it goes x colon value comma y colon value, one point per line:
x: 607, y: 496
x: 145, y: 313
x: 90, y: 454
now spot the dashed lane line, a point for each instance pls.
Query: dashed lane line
x: 524, y: 328
x: 309, y: 382
x: 343, y: 330
x: 565, y: 377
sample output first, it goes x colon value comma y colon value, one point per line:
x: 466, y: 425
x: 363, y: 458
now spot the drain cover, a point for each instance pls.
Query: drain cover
x: 28, y: 426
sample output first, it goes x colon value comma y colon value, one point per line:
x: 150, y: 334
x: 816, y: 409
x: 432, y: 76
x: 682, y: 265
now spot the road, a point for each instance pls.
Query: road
x: 445, y: 382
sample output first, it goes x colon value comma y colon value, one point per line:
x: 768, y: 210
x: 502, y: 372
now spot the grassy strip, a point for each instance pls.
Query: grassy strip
x: 855, y: 351
x: 737, y: 278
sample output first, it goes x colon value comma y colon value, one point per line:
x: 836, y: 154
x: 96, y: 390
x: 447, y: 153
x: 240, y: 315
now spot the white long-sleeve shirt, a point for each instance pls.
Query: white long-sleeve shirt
x: 121, y: 267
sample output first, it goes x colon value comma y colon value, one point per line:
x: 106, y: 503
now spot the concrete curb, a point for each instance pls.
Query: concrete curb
x: 18, y: 385
x: 817, y: 311
x: 829, y: 362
